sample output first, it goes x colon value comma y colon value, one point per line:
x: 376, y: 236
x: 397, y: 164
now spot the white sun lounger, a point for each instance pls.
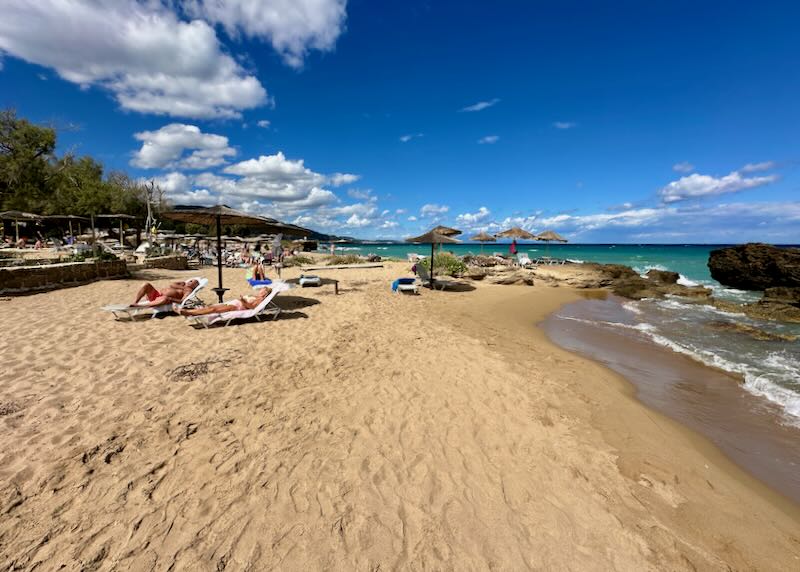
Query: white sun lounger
x: 524, y: 260
x: 266, y: 308
x: 127, y: 311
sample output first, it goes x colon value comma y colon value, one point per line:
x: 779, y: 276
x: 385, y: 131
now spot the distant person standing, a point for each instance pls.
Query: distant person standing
x: 513, y: 247
x: 333, y: 249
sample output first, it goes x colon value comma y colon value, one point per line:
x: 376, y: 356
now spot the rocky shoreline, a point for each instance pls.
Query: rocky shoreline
x: 780, y: 301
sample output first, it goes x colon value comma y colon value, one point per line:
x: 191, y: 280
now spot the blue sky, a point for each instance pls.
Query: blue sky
x: 615, y: 121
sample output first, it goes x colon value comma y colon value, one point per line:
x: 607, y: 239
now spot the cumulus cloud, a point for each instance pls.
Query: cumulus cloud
x: 339, y: 179
x: 264, y: 123
x: 141, y: 51
x: 433, y: 210
x: 489, y: 140
x: 474, y: 219
x: 165, y: 148
x: 683, y: 167
x: 698, y: 186
x: 358, y: 221
x: 480, y: 106
x: 412, y: 218
x: 293, y: 27
x: 564, y: 124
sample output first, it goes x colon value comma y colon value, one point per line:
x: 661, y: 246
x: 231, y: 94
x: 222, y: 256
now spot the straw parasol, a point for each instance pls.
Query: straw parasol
x: 446, y: 230
x: 434, y: 238
x: 482, y: 237
x: 17, y: 216
x: 516, y: 232
x: 549, y: 236
x: 219, y: 215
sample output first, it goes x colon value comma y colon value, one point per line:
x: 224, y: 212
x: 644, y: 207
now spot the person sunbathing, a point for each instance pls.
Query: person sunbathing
x: 241, y: 303
x: 174, y: 293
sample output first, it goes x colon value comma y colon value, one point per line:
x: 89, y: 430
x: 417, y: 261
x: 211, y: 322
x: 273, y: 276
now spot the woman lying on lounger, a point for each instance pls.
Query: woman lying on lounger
x: 241, y: 303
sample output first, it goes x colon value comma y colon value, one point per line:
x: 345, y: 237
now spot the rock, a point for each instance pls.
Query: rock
x: 475, y: 273
x: 783, y: 295
x: 762, y: 310
x: 480, y: 260
x: 663, y: 276
x: 373, y: 258
x: 521, y: 278
x: 755, y: 266
x: 755, y: 333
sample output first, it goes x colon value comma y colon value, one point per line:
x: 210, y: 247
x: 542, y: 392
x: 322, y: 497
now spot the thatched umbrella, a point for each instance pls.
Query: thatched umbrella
x: 17, y: 216
x: 434, y: 238
x: 549, y: 236
x: 219, y: 215
x: 516, y: 232
x: 446, y: 230
x: 482, y: 237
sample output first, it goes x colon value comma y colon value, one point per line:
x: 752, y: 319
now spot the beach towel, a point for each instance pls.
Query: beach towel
x: 256, y: 283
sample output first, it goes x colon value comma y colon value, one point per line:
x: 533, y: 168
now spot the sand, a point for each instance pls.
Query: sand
x: 365, y: 431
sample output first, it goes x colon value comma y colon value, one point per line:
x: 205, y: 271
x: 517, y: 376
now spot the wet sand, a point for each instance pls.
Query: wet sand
x: 749, y: 429
x: 365, y: 431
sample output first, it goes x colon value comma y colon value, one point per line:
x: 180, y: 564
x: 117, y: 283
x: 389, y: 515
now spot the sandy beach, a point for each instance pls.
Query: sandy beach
x: 364, y: 431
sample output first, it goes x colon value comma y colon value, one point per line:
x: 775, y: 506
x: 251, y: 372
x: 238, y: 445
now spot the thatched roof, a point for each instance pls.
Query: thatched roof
x: 550, y: 235
x: 483, y: 237
x: 446, y: 230
x: 516, y: 232
x: 432, y: 237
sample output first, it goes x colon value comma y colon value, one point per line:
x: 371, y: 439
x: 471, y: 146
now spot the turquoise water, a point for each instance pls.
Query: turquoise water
x: 689, y: 260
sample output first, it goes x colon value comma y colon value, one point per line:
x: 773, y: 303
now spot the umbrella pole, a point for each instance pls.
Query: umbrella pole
x: 70, y: 227
x: 16, y: 226
x: 432, y: 247
x: 219, y: 289
x: 121, y: 242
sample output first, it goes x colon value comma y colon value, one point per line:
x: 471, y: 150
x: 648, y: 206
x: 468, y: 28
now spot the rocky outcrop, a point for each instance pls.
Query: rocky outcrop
x: 755, y: 266
x: 755, y: 333
x: 762, y: 310
x: 663, y: 276
x: 783, y: 295
x: 518, y: 278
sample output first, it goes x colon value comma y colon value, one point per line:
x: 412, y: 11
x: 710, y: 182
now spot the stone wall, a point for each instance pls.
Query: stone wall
x: 24, y: 279
x: 167, y: 262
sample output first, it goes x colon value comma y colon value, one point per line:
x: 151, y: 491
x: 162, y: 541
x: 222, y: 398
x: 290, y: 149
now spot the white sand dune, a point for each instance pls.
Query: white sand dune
x: 365, y: 431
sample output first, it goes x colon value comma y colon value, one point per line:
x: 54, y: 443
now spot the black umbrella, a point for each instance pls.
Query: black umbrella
x: 434, y: 238
x: 222, y: 214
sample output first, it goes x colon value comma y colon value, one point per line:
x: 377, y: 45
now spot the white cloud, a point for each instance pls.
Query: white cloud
x: 148, y: 58
x: 433, y: 210
x: 412, y: 218
x: 276, y: 170
x: 264, y: 123
x: 757, y: 167
x: 339, y: 179
x: 410, y: 136
x: 293, y: 27
x: 358, y: 221
x: 360, y: 194
x: 480, y: 106
x: 400, y: 211
x: 683, y: 167
x: 698, y: 186
x: 472, y: 219
x: 172, y: 183
x: 165, y: 148
x: 489, y: 140
x: 389, y: 224
x: 564, y: 124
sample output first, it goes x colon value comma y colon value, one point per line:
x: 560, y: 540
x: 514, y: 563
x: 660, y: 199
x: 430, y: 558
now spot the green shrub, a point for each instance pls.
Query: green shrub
x: 445, y: 263
x: 297, y: 260
x: 337, y: 259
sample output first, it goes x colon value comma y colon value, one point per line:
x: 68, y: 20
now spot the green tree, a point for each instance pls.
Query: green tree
x: 25, y: 154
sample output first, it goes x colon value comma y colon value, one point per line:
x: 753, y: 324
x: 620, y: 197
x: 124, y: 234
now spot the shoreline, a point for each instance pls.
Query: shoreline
x: 360, y: 430
x: 531, y: 320
x: 750, y: 430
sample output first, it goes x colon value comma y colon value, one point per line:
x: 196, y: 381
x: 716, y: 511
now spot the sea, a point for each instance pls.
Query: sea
x: 769, y: 370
